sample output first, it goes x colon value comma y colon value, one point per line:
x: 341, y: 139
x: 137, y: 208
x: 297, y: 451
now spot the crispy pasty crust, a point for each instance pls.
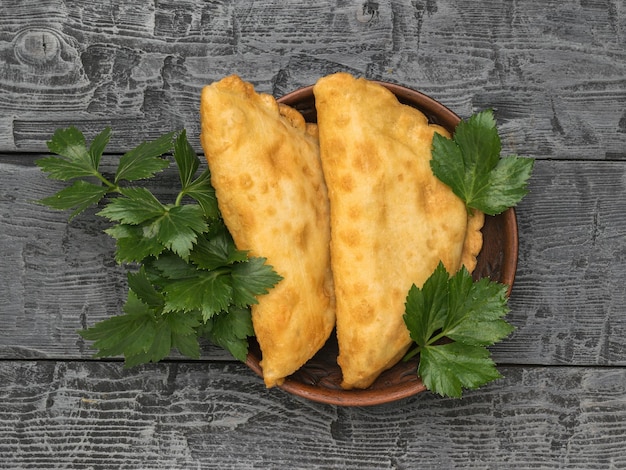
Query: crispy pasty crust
x: 265, y: 168
x: 392, y: 220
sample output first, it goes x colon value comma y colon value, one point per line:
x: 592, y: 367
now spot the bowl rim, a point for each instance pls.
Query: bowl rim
x: 439, y: 114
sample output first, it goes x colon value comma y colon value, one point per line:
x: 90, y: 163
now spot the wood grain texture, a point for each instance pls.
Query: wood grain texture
x: 567, y: 302
x: 97, y: 415
x: 569, y: 296
x: 553, y: 71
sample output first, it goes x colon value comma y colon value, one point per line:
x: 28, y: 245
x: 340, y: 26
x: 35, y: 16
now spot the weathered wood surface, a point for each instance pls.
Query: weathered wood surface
x: 98, y: 416
x: 555, y: 73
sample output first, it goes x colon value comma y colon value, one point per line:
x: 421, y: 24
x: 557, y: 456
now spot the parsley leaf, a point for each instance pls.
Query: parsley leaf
x: 174, y: 227
x: 178, y: 228
x: 431, y: 302
x: 230, y: 330
x: 79, y: 196
x: 144, y: 335
x: 141, y: 285
x: 134, y: 243
x: 186, y: 160
x: 209, y: 292
x: 216, y: 249
x: 470, y: 164
x: 251, y: 279
x: 201, y: 190
x: 144, y: 160
x: 448, y: 368
x: 138, y: 206
x: 129, y: 334
x: 475, y: 311
x: 74, y: 159
x: 98, y: 144
x: 468, y: 313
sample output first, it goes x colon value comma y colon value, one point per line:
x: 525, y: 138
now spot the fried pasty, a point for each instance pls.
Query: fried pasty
x: 266, y: 171
x: 392, y: 220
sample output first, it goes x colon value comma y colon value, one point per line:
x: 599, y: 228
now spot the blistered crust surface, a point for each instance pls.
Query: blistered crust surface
x: 266, y: 171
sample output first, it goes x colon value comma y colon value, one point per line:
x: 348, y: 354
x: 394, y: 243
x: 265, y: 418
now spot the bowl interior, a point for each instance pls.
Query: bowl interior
x: 319, y: 379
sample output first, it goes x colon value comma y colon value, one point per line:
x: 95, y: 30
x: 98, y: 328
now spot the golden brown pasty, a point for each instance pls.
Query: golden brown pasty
x: 266, y: 171
x: 392, y: 220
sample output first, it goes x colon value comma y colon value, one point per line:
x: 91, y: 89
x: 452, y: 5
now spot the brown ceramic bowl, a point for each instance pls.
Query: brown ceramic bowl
x: 319, y: 379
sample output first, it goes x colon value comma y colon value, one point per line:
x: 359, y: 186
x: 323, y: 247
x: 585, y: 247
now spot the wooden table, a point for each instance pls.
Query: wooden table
x: 553, y: 71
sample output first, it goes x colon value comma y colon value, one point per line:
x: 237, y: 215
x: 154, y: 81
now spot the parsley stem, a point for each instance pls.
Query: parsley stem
x: 179, y: 198
x: 436, y: 338
x: 418, y: 348
x: 413, y: 352
x: 111, y: 186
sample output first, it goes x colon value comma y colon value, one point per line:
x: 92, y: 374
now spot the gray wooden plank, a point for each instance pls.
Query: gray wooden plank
x: 569, y: 296
x: 98, y: 415
x: 553, y: 71
x: 567, y: 303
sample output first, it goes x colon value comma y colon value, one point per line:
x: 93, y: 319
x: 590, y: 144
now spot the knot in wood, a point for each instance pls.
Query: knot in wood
x: 368, y: 12
x: 37, y: 46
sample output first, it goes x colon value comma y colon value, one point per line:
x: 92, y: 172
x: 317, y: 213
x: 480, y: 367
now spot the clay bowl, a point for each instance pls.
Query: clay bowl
x: 318, y: 380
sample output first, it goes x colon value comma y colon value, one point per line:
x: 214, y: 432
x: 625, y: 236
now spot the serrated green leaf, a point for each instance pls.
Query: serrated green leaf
x: 74, y: 160
x: 216, y: 249
x: 208, y: 292
x: 133, y: 243
x: 470, y: 313
x: 159, y: 348
x: 184, y: 327
x: 479, y: 142
x: 142, y: 287
x: 171, y: 266
x: 448, y: 165
x: 186, y: 160
x: 471, y: 166
x: 142, y: 336
x: 251, y: 279
x: 98, y: 144
x: 138, y: 205
x: 481, y: 333
x: 172, y: 330
x: 231, y: 330
x: 143, y: 161
x: 447, y: 369
x: 129, y: 334
x: 426, y: 308
x: 64, y: 170
x: 475, y: 310
x: 130, y: 250
x: 187, y: 345
x: 203, y: 192
x: 79, y: 196
x: 70, y: 143
x: 184, y: 323
x: 178, y: 228
x: 508, y: 182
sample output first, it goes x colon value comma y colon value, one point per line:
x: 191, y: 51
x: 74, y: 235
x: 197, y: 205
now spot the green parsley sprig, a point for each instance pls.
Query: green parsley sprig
x: 471, y: 165
x: 466, y: 312
x: 186, y: 278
